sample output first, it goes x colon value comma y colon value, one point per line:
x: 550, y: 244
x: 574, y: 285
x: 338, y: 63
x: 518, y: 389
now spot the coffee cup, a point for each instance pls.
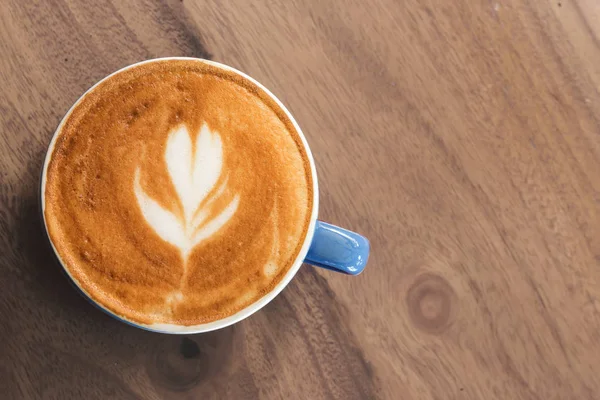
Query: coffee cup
x: 320, y: 244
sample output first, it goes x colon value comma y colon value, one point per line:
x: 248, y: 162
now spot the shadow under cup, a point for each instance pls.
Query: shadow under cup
x: 324, y: 245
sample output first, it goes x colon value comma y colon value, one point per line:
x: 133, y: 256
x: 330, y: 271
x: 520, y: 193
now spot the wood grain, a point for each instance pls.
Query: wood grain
x: 462, y: 137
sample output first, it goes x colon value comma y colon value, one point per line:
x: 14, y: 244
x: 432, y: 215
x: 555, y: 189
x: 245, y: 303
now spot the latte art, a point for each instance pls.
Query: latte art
x: 195, y: 175
x: 177, y: 192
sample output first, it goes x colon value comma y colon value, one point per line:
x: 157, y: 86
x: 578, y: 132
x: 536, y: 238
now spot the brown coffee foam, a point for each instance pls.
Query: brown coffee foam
x: 94, y: 220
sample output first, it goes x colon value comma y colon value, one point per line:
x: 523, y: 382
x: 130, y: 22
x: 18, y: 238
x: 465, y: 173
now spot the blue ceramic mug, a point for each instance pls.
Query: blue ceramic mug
x: 326, y: 246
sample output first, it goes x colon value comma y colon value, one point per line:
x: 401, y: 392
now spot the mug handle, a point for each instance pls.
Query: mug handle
x: 338, y: 249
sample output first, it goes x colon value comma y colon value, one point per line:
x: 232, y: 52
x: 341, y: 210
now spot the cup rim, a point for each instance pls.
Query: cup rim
x: 241, y: 314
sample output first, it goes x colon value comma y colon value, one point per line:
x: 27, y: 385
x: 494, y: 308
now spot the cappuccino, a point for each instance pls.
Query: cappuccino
x: 177, y: 192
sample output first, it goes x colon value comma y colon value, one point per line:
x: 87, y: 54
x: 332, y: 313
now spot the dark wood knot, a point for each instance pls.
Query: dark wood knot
x: 179, y: 366
x: 431, y: 303
x: 182, y: 363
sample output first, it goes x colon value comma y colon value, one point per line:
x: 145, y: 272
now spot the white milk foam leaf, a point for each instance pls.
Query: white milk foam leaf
x: 194, y: 175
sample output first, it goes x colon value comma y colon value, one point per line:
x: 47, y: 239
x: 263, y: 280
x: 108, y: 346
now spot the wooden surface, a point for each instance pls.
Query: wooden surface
x: 462, y: 137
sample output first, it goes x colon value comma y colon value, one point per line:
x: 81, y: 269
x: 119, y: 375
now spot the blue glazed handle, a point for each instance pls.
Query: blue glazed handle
x: 338, y: 249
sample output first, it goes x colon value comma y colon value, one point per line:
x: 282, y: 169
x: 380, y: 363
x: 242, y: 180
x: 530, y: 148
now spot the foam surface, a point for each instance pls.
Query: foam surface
x: 177, y: 193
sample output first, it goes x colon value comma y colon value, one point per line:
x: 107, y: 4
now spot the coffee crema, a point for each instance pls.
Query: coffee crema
x: 177, y: 192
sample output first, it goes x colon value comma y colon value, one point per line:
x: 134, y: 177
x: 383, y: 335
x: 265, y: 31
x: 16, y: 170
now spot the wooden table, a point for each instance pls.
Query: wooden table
x: 462, y: 137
